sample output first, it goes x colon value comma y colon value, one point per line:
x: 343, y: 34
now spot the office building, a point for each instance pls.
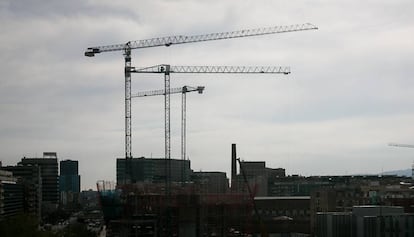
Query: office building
x: 11, y: 195
x: 48, y: 166
x: 30, y: 178
x: 69, y: 182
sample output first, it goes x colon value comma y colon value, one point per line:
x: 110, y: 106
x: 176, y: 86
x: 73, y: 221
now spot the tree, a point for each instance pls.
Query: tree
x: 22, y: 226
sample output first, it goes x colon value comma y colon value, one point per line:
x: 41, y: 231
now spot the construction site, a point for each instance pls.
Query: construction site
x: 164, y: 196
x: 197, y: 204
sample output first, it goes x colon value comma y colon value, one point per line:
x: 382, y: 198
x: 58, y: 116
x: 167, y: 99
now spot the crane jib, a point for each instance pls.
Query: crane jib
x: 180, y: 39
x: 211, y: 69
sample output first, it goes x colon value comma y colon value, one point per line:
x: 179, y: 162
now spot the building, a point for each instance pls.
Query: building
x: 254, y: 173
x: 140, y: 209
x: 345, y: 192
x: 296, y: 185
x: 151, y: 170
x: 283, y: 216
x: 30, y: 178
x: 258, y: 168
x: 412, y: 171
x: 335, y: 224
x: 48, y: 166
x: 89, y: 200
x: 11, y: 195
x: 365, y: 221
x: 382, y: 221
x: 253, y: 168
x: 69, y: 182
x: 258, y: 176
x: 211, y: 182
x: 69, y: 167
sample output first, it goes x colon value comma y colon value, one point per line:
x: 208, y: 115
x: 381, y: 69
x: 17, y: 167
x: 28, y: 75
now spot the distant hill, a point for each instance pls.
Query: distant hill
x: 406, y: 172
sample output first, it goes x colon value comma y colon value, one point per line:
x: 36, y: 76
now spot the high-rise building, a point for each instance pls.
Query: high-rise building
x: 69, y: 179
x: 48, y: 166
x: 69, y: 182
x: 30, y: 177
x: 11, y: 195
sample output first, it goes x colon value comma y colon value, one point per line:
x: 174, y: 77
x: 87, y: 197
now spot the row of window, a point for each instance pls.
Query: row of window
x: 290, y: 213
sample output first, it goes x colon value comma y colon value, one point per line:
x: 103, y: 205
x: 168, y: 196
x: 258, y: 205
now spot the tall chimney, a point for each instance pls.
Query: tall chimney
x: 233, y: 162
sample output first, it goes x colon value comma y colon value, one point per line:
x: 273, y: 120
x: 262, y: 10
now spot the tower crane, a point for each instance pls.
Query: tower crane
x: 168, y: 69
x: 407, y: 146
x: 183, y: 90
x: 401, y: 145
x: 172, y: 40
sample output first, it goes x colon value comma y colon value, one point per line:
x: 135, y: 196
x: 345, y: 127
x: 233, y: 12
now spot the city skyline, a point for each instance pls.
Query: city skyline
x: 349, y: 94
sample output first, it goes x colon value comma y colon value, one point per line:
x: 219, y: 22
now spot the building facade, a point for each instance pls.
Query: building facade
x: 48, y: 168
x: 49, y: 176
x: 151, y: 170
x: 284, y: 216
x: 11, y: 195
x: 211, y: 182
x: 69, y: 182
x: 30, y: 178
x: 366, y: 221
x: 258, y: 177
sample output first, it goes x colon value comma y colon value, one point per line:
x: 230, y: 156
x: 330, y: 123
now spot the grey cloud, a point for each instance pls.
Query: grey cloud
x: 351, y: 80
x: 57, y: 9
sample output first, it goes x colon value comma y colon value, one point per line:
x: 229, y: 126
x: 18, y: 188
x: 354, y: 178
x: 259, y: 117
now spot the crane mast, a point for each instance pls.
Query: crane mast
x: 172, y: 40
x: 128, y: 86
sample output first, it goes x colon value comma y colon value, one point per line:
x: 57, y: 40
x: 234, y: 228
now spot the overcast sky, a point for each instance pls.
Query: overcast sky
x: 351, y: 90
